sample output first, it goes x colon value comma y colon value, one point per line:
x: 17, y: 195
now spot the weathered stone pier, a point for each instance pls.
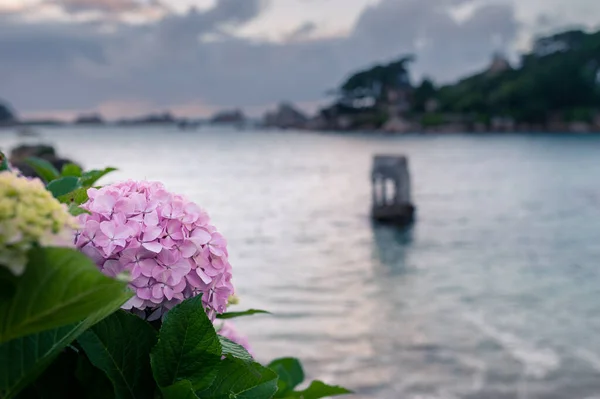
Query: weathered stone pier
x: 392, y: 201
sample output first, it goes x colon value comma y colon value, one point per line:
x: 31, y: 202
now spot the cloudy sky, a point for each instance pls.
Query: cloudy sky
x: 129, y: 57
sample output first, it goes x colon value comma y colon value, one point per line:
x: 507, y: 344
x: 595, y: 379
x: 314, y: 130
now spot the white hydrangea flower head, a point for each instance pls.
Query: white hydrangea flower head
x: 30, y: 215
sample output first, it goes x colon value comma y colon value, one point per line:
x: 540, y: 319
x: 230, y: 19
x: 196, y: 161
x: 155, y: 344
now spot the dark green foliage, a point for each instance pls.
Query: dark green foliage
x: 188, y: 347
x: 291, y: 375
x: 424, y: 92
x: 43, y: 168
x: 60, y: 286
x: 249, y: 312
x: 374, y: 82
x: 559, y: 79
x: 242, y: 380
x: 120, y: 346
x: 63, y: 186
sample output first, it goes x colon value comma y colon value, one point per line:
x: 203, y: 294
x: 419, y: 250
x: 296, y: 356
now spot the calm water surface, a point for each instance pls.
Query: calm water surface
x: 493, y: 294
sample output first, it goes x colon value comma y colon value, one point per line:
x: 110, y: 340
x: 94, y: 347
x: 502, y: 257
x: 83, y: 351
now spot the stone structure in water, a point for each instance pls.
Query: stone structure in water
x: 392, y: 201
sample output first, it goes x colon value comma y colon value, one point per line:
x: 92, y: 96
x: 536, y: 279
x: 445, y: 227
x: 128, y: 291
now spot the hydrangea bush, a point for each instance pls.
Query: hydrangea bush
x: 135, y: 308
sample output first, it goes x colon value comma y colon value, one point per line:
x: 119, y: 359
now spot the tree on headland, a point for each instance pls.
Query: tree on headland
x: 371, y: 86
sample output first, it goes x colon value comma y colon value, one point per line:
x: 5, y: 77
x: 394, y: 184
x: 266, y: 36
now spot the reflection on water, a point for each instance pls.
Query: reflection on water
x: 391, y: 247
x: 494, y: 293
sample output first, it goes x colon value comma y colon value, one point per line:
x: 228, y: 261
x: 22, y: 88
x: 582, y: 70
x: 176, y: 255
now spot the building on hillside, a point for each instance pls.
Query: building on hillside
x: 499, y: 64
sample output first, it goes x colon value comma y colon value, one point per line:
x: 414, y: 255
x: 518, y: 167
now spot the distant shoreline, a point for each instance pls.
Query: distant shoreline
x: 250, y: 127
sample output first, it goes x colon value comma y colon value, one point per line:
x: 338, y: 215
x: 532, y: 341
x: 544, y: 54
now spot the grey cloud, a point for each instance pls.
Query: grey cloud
x: 302, y: 31
x: 166, y: 63
x: 108, y: 6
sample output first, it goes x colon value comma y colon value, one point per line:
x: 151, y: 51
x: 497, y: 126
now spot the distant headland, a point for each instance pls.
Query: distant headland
x: 554, y: 88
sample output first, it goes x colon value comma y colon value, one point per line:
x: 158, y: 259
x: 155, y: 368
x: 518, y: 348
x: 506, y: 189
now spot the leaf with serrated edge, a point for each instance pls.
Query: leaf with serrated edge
x: 234, y: 349
x: 242, y: 380
x: 188, y: 347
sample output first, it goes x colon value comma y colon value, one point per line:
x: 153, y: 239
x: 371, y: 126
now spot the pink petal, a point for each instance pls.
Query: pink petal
x: 168, y: 243
x: 112, y: 267
x: 188, y: 249
x: 147, y: 266
x: 104, y: 203
x: 144, y: 293
x: 123, y: 232
x: 134, y: 302
x: 200, y: 237
x: 205, y: 277
x: 153, y: 246
x: 151, y: 233
x: 151, y: 219
x: 136, y: 271
x: 93, y: 253
x: 168, y: 292
x: 109, y: 248
x: 108, y: 228
x: 194, y: 280
x: 168, y: 258
x: 157, y: 291
x: 216, y: 250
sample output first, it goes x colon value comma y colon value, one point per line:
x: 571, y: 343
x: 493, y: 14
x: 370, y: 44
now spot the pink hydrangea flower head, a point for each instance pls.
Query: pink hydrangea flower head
x: 163, y: 241
x: 229, y: 331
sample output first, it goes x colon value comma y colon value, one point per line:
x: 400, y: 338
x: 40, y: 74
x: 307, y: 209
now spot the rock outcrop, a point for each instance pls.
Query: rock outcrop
x: 19, y: 154
x: 286, y: 116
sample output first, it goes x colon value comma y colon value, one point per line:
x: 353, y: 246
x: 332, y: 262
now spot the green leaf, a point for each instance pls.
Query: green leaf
x: 182, y: 390
x: 318, y: 390
x: 290, y: 374
x: 234, y: 349
x: 71, y: 169
x: 76, y: 197
x: 57, y: 381
x: 89, y: 178
x: 8, y: 284
x: 93, y: 380
x: 24, y: 358
x: 43, y: 168
x: 241, y: 380
x: 250, y: 312
x: 60, y: 286
x: 188, y: 347
x: 3, y: 162
x: 120, y: 346
x: 63, y: 186
x: 76, y: 210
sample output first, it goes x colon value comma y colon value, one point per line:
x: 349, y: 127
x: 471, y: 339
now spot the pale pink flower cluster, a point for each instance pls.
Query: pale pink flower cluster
x: 165, y: 242
x: 229, y: 331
